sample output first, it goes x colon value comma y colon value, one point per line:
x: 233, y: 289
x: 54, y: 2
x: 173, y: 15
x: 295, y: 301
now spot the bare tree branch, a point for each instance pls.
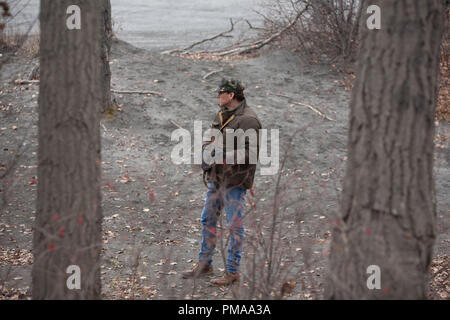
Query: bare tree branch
x: 261, y: 43
x: 184, y: 50
x: 137, y: 92
x: 307, y: 106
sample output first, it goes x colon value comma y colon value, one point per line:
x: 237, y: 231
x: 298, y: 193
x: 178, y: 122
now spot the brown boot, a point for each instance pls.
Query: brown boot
x: 227, y: 279
x: 198, y: 270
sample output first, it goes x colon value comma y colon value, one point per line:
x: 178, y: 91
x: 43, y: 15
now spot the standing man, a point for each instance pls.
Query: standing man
x: 227, y: 182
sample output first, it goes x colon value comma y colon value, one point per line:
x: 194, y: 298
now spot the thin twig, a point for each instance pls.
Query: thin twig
x: 22, y: 81
x: 184, y: 50
x: 308, y: 106
x: 136, y: 92
x: 211, y: 73
x: 261, y: 43
x: 254, y: 28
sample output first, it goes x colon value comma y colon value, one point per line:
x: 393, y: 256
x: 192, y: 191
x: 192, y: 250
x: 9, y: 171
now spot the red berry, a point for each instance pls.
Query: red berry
x: 61, y: 232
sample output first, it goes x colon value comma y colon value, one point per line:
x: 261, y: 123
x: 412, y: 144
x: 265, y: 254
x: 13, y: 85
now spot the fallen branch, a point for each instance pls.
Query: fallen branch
x: 254, y: 28
x: 184, y: 50
x: 260, y: 43
x: 306, y: 105
x: 211, y: 73
x: 22, y: 81
x: 239, y: 44
x: 136, y: 92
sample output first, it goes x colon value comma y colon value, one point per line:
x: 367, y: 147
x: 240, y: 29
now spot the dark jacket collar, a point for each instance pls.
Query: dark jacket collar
x: 240, y: 108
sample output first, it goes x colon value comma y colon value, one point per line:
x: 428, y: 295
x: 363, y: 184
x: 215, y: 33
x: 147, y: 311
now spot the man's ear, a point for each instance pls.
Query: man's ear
x: 233, y: 94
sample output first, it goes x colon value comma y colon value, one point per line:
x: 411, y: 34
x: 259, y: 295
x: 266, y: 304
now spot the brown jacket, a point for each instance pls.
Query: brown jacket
x: 236, y: 175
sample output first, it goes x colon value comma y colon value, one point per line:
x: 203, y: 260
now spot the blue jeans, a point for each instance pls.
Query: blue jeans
x: 232, y: 200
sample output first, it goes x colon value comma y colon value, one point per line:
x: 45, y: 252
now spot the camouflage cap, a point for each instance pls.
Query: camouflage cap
x: 230, y: 85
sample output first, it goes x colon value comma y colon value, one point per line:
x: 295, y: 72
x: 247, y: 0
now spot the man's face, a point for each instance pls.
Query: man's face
x: 225, y: 98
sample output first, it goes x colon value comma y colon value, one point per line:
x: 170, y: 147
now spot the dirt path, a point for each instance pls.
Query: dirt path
x: 152, y: 207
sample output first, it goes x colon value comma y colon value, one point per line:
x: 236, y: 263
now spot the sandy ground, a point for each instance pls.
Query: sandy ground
x: 152, y: 207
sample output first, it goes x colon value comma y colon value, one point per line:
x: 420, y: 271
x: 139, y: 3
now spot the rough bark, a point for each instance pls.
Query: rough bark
x: 388, y: 211
x: 106, y: 45
x: 68, y: 221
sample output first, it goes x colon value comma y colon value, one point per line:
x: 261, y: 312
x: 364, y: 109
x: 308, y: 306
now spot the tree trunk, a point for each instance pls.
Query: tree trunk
x: 388, y: 211
x: 106, y: 46
x: 68, y: 222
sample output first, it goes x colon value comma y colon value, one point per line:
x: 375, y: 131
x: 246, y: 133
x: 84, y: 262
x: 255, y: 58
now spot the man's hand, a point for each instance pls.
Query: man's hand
x: 209, y: 157
x: 207, y: 154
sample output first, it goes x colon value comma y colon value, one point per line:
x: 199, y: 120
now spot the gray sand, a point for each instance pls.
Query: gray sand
x: 156, y: 213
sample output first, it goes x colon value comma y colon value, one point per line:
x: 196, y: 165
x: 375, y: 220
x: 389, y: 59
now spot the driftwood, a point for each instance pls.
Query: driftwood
x: 22, y: 82
x: 185, y: 50
x: 136, y: 92
x: 240, y: 49
x: 307, y: 106
x: 211, y: 73
x: 261, y: 43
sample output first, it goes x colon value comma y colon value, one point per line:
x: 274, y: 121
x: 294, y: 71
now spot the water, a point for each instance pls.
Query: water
x: 165, y: 24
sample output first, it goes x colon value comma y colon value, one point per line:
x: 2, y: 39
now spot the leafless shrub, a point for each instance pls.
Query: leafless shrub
x: 14, y: 40
x: 327, y: 31
x: 278, y: 246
